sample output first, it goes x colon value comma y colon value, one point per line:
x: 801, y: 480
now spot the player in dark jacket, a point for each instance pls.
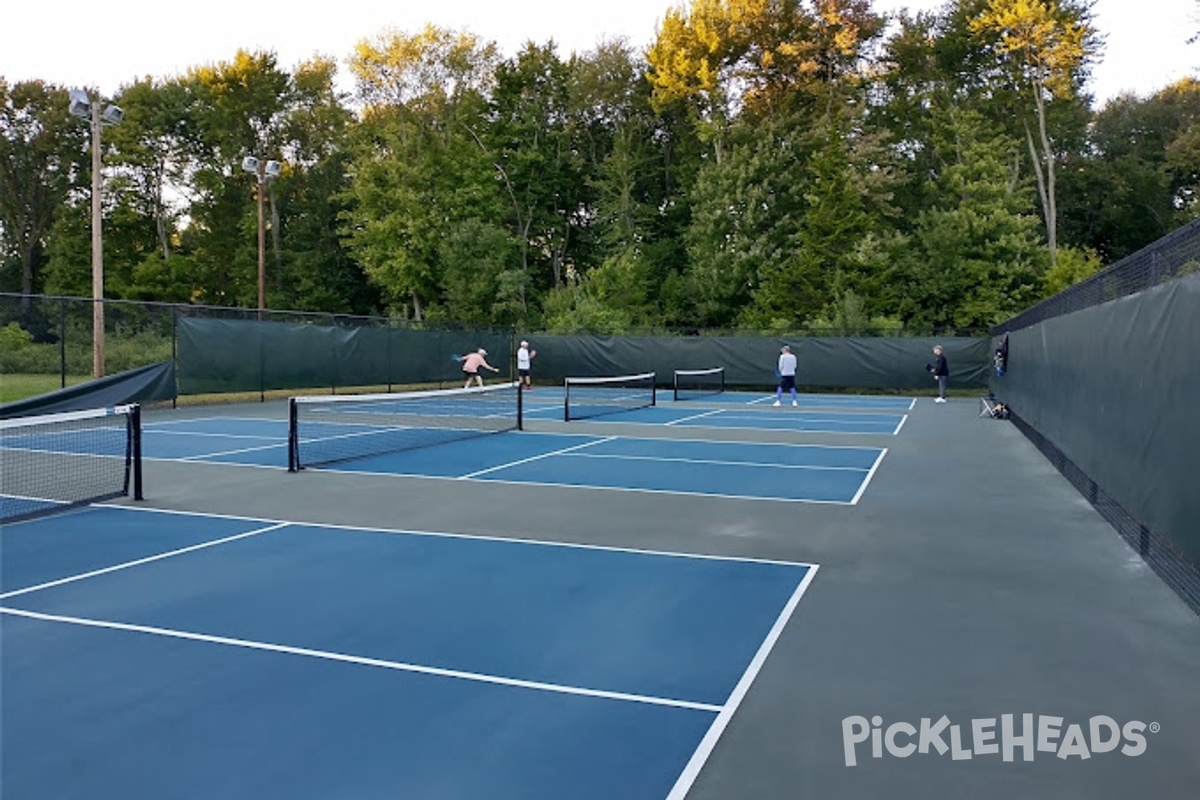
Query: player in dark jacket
x: 941, y: 373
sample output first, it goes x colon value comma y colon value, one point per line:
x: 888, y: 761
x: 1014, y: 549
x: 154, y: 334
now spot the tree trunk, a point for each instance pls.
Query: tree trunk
x: 1044, y: 171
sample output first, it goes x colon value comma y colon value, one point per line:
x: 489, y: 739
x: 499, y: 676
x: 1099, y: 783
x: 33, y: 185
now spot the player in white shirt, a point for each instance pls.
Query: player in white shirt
x: 787, y: 375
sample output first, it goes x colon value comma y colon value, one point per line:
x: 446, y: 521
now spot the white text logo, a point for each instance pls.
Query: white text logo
x: 1027, y: 735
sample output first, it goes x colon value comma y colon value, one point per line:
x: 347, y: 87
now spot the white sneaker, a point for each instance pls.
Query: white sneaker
x: 794, y: 403
x: 939, y: 399
x: 776, y: 404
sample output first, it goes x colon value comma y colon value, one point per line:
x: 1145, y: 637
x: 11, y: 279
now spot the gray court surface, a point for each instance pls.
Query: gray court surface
x: 971, y: 602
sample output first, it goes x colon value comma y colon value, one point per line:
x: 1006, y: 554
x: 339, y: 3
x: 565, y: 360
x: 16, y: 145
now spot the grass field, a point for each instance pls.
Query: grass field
x: 18, y: 386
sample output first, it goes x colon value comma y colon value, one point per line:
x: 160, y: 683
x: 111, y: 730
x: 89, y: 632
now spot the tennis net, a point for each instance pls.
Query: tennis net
x: 335, y: 428
x: 690, y: 383
x: 593, y: 397
x: 53, y: 462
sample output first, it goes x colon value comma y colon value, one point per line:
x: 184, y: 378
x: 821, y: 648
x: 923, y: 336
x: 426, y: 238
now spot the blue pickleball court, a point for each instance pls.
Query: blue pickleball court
x: 182, y: 655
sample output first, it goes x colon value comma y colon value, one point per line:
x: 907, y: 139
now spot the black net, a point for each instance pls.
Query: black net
x: 592, y: 397
x: 52, y: 462
x: 692, y: 383
x: 338, y: 428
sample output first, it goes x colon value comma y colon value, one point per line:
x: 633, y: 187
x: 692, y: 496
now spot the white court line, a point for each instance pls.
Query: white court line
x: 141, y: 561
x: 768, y: 464
x: 673, y: 439
x: 597, y: 487
x: 272, y: 446
x: 697, y: 416
x: 211, y: 435
x: 692, y: 770
x: 813, y: 416
x: 799, y: 428
x: 154, y: 422
x: 345, y: 658
x: 222, y: 464
x: 536, y: 458
x: 901, y: 425
x: 867, y: 480
x: 912, y: 404
x: 469, y: 537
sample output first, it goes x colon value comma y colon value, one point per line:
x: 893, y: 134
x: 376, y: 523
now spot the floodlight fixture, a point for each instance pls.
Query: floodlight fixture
x: 80, y: 106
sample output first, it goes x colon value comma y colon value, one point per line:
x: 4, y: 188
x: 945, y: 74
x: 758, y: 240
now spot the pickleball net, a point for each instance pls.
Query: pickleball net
x: 584, y: 398
x: 54, y: 462
x: 693, y: 383
x: 332, y: 429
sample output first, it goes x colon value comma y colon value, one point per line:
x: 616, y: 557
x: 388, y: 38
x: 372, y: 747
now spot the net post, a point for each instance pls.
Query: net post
x: 293, y: 437
x: 135, y: 437
x: 653, y: 388
x: 520, y: 405
x: 566, y: 400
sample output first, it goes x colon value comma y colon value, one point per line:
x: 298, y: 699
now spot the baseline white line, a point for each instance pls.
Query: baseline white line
x: 768, y: 464
x: 140, y: 561
x: 812, y: 417
x: 714, y: 412
x: 537, y: 457
x: 705, y: 748
x: 596, y: 487
x: 469, y: 537
x: 867, y: 480
x: 903, y: 419
x: 790, y: 429
x: 346, y: 658
x: 912, y: 404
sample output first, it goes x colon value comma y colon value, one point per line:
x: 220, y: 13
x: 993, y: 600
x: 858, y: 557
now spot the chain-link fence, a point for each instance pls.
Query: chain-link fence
x: 1174, y: 255
x: 46, y: 343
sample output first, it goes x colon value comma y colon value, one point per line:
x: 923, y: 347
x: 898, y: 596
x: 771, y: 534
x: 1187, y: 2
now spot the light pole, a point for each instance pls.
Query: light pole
x: 82, y: 106
x: 263, y: 171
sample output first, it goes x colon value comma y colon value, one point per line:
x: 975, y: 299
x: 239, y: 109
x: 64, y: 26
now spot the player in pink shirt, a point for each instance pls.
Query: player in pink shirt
x: 471, y: 364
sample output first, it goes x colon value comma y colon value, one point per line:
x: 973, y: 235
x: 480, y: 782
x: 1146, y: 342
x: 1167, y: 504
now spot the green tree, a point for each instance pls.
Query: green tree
x: 975, y: 258
x: 420, y: 166
x: 1073, y: 266
x: 239, y: 106
x: 537, y: 147
x: 1137, y: 180
x: 1044, y: 49
x: 746, y: 211
x: 42, y: 151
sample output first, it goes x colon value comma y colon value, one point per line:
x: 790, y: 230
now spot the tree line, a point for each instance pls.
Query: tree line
x: 763, y: 164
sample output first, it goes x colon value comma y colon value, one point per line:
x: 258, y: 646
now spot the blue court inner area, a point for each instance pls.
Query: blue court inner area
x: 148, y: 655
x: 864, y: 415
x: 767, y: 471
x: 801, y: 473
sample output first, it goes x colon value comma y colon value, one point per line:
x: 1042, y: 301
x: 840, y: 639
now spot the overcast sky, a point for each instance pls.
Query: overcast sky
x: 111, y: 43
